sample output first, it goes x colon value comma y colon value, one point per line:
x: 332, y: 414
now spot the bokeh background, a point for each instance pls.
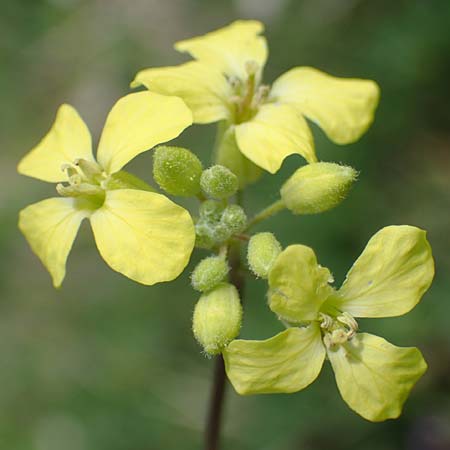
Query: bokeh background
x: 107, y: 364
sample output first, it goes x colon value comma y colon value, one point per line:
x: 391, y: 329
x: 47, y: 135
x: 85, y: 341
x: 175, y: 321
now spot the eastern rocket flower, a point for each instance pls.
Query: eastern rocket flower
x: 373, y: 376
x: 139, y: 233
x: 224, y: 83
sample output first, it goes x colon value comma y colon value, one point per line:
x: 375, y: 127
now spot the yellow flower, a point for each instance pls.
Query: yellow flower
x: 139, y: 233
x: 224, y: 83
x: 374, y: 377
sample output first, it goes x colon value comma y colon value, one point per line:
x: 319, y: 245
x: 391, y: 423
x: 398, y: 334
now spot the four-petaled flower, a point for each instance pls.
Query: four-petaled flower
x: 374, y: 377
x: 267, y: 124
x: 138, y: 232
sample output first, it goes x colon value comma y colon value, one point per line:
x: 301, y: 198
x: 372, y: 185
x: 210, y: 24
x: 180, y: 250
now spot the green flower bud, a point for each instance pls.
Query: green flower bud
x: 219, y: 182
x: 317, y: 187
x: 221, y: 233
x: 263, y: 250
x: 177, y: 170
x: 211, y: 210
x: 203, y: 234
x: 234, y: 218
x: 217, y: 318
x: 209, y: 273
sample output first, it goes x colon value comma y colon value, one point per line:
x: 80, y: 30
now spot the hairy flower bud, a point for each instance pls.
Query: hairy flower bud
x: 262, y: 252
x: 219, y: 182
x: 317, y: 187
x: 209, y: 273
x: 217, y: 318
x: 234, y: 218
x: 177, y: 170
x: 211, y: 210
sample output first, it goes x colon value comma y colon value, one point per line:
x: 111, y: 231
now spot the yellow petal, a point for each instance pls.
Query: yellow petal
x: 228, y: 49
x: 67, y: 140
x: 343, y: 107
x: 287, y: 362
x: 138, y: 122
x: 203, y: 88
x: 143, y: 235
x: 276, y: 132
x: 375, y: 377
x: 50, y: 227
x: 298, y: 285
x: 391, y: 274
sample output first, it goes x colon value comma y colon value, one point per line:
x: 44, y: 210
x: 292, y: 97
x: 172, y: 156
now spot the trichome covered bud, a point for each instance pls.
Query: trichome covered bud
x: 217, y: 223
x: 234, y: 219
x: 317, y: 187
x: 262, y: 252
x: 177, y: 170
x: 209, y: 273
x: 217, y: 318
x: 219, y: 182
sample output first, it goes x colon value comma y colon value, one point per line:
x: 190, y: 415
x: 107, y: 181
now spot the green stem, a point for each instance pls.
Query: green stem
x: 271, y: 210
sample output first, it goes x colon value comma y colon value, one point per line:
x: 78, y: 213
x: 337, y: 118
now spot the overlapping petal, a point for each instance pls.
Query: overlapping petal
x: 287, y: 362
x: 276, y: 132
x: 143, y: 235
x: 50, y: 227
x: 298, y: 285
x: 390, y: 276
x: 228, y: 49
x: 343, y: 107
x: 67, y: 140
x: 375, y: 377
x: 138, y: 122
x: 203, y: 88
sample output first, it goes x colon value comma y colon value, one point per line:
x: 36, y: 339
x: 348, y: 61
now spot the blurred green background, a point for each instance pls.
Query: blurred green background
x: 107, y: 364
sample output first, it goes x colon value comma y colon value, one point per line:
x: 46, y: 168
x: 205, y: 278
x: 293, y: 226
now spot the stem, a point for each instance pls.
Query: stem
x: 266, y: 213
x: 214, y: 420
x: 212, y: 432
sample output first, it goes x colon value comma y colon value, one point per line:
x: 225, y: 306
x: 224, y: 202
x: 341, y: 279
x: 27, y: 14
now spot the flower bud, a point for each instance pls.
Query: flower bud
x: 209, y: 273
x: 317, y: 187
x: 234, y: 218
x: 262, y: 252
x: 211, y: 211
x: 177, y: 170
x: 217, y: 318
x: 219, y: 182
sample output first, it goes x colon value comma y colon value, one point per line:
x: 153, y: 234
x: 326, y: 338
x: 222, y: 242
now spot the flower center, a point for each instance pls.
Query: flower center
x: 85, y: 180
x: 248, y: 94
x: 337, y: 330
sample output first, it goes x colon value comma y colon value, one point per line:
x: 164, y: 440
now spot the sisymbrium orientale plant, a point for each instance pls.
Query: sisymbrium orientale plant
x: 144, y: 235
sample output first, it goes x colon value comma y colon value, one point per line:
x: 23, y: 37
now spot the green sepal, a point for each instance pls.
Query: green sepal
x: 229, y: 155
x: 125, y: 180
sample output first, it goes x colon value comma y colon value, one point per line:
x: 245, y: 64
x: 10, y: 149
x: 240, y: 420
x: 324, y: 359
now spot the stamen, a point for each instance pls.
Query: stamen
x: 91, y: 170
x: 251, y: 67
x: 348, y: 320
